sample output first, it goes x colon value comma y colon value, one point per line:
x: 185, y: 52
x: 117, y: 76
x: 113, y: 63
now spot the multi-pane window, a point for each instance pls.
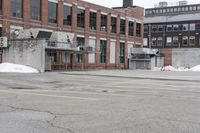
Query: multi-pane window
x: 175, y: 41
x: 192, y: 27
x: 192, y: 41
x: 103, y: 23
x: 197, y: 26
x: 160, y: 41
x: 80, y: 18
x: 146, y: 29
x: 35, y: 7
x: 138, y: 30
x: 154, y: 28
x: 153, y: 41
x: 122, y: 26
x: 180, y: 27
x: 131, y: 28
x: 80, y: 42
x: 160, y: 28
x: 52, y: 8
x: 1, y: 6
x: 53, y: 56
x: 103, y: 51
x: 16, y: 8
x: 1, y: 32
x: 186, y: 8
x: 185, y: 27
x: 168, y: 41
x: 67, y: 20
x: 164, y: 10
x: 198, y: 7
x: 185, y: 41
x: 113, y: 24
x: 145, y: 40
x: 194, y: 8
x: 93, y: 20
x: 122, y: 52
x: 175, y: 27
x: 169, y: 28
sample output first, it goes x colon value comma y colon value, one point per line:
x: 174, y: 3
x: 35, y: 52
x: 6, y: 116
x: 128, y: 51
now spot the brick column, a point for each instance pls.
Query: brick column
x: 6, y: 8
x: 87, y: 20
x: 26, y: 13
x: 108, y: 23
x: 126, y: 44
x: 74, y: 17
x: 44, y: 12
x: 142, y: 35
x: 98, y: 24
x: 118, y: 25
x: 6, y: 15
x: 87, y: 24
x: 118, y: 42
x: 60, y: 14
x: 134, y: 34
x: 108, y: 51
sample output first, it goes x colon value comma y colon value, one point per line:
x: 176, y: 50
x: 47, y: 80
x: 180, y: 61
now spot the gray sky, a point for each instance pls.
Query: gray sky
x: 143, y: 3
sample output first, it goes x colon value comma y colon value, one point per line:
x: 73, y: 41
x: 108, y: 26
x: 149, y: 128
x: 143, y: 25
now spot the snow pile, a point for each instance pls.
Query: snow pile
x: 16, y: 68
x: 168, y: 68
x: 180, y: 69
x: 196, y: 68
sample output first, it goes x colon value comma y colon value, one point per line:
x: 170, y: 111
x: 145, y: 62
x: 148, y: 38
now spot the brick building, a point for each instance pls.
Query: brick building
x: 175, y: 30
x: 111, y: 32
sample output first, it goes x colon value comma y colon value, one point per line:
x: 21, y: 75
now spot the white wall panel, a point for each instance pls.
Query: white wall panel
x: 91, y: 56
x: 112, y: 52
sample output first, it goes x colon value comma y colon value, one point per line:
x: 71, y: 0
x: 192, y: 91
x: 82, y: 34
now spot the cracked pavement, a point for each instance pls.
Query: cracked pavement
x: 79, y: 103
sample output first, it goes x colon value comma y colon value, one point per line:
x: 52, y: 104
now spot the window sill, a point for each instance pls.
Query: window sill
x: 35, y: 21
x: 16, y: 18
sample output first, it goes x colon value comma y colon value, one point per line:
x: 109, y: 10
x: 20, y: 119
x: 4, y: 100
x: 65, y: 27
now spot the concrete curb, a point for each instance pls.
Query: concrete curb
x: 131, y: 77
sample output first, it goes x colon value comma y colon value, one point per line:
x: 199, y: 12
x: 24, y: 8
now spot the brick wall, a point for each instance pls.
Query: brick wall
x: 26, y: 22
x: 167, y: 56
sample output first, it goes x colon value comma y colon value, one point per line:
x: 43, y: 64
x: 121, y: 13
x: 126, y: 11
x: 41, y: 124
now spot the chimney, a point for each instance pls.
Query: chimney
x: 127, y: 3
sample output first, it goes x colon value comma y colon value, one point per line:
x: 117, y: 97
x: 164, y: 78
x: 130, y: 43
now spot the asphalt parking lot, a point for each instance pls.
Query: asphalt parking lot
x: 100, y: 102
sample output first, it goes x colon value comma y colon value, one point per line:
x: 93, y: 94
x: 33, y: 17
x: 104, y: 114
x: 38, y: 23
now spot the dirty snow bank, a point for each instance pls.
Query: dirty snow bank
x: 16, y: 68
x: 196, y: 68
x: 180, y: 69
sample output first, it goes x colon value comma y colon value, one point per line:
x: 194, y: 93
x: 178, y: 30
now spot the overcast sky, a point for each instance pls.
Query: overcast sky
x: 143, y: 3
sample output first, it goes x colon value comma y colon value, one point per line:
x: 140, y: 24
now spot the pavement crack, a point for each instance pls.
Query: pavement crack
x: 50, y: 122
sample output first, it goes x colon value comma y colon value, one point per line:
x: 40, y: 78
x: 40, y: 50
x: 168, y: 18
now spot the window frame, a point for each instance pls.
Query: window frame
x: 103, y: 50
x: 122, y: 53
x: 93, y: 20
x: 35, y: 10
x: 80, y: 18
x: 113, y: 24
x: 187, y: 40
x: 53, y: 15
x: 67, y: 18
x: 14, y: 4
x: 103, y: 27
x: 122, y: 26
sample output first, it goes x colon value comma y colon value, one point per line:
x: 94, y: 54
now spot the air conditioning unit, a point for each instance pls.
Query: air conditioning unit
x: 3, y: 42
x: 35, y: 33
x: 86, y: 49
